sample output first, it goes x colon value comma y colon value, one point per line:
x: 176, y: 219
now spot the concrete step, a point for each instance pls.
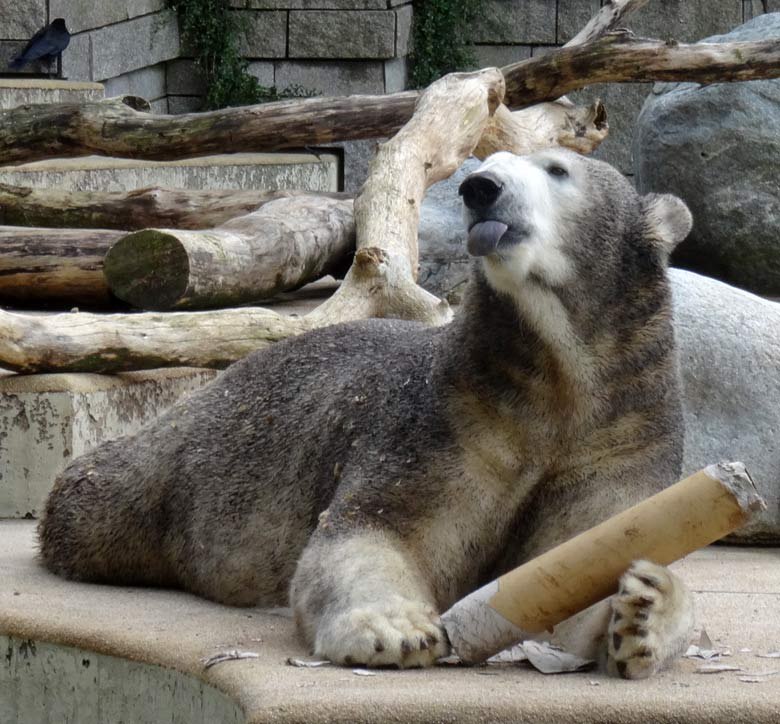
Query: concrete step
x: 47, y: 420
x: 89, y: 653
x: 23, y: 91
x: 228, y: 171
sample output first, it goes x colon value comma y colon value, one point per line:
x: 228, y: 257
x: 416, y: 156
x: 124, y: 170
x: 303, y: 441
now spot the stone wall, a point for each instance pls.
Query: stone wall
x: 339, y: 47
x: 510, y: 30
x: 333, y: 47
x: 123, y: 44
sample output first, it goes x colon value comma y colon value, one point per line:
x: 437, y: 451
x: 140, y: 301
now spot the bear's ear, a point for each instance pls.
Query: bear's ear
x: 668, y: 218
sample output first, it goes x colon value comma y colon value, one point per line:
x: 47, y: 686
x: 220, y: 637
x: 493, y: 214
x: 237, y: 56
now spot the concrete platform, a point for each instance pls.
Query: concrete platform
x: 47, y: 420
x: 737, y: 594
x: 305, y: 171
x: 23, y: 91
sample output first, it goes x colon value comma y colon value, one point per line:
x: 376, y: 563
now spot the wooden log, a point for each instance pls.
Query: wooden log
x: 282, y: 246
x: 549, y: 589
x: 608, y: 18
x: 621, y: 58
x: 447, y: 125
x: 560, y: 123
x: 54, y: 266
x: 111, y: 127
x: 132, y: 210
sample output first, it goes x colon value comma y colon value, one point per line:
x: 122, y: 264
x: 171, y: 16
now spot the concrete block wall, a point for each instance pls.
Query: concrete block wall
x: 124, y: 45
x: 511, y: 30
x: 334, y: 47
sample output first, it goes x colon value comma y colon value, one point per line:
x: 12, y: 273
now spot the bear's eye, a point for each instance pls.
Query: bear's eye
x: 559, y: 171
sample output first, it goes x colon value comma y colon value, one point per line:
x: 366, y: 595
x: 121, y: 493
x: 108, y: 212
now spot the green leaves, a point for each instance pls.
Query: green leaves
x: 211, y: 29
x: 441, y: 39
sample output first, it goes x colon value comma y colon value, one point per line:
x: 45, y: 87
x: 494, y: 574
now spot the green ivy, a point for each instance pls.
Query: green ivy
x: 441, y: 39
x: 211, y: 28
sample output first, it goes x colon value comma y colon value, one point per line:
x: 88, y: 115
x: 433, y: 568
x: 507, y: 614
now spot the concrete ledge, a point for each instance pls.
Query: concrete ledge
x: 23, y: 91
x: 238, y: 170
x: 47, y: 420
x: 737, y: 594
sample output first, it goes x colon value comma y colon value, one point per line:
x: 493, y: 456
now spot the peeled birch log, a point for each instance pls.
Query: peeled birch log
x: 549, y: 589
x: 448, y: 123
x: 59, y: 266
x: 282, y: 246
x: 112, y: 128
x: 137, y: 209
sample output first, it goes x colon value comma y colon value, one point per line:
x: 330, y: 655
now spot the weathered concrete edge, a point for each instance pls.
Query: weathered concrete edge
x: 169, y: 690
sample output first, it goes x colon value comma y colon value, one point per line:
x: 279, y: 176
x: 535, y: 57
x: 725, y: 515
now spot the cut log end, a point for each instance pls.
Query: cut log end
x: 149, y: 269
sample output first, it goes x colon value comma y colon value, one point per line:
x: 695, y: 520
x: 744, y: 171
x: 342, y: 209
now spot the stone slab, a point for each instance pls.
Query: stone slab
x: 47, y: 420
x: 403, y: 30
x: 176, y: 630
x: 184, y: 77
x: 77, y: 58
x: 184, y: 104
x: 751, y: 8
x: 83, y: 15
x: 148, y: 83
x: 489, y: 56
x: 262, y: 34
x: 137, y: 43
x: 319, y: 4
x: 21, y: 20
x: 515, y: 21
x: 332, y: 78
x: 238, y: 171
x: 396, y: 75
x: 686, y: 22
x: 348, y: 34
x: 22, y: 91
x: 573, y: 15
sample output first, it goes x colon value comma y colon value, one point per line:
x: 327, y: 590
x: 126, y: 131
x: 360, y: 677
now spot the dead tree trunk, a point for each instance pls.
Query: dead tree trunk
x: 61, y: 266
x: 282, y: 246
x: 112, y: 128
x: 132, y: 210
x: 447, y: 125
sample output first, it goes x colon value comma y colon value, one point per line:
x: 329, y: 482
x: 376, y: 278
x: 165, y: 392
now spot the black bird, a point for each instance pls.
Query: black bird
x: 45, y: 45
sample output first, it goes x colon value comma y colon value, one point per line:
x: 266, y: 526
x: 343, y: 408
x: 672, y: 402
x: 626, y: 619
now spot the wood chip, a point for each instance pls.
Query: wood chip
x: 308, y: 664
x: 715, y: 668
x: 363, y: 672
x: 232, y: 655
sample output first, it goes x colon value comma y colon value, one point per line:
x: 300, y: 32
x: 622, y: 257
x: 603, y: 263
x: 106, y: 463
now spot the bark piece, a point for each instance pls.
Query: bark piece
x: 59, y: 266
x: 567, y: 579
x: 137, y: 209
x: 282, y: 246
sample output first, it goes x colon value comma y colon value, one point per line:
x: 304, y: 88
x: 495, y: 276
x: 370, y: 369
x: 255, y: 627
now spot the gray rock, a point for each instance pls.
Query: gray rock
x: 518, y: 21
x: 718, y: 148
x: 444, y: 262
x: 730, y: 358
x: 262, y: 34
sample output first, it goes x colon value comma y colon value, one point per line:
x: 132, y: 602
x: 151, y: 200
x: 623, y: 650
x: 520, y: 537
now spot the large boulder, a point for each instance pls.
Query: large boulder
x: 718, y: 148
x: 444, y: 261
x: 730, y: 359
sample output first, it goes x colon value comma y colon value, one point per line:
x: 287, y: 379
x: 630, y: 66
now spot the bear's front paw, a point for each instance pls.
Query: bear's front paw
x: 651, y: 622
x: 399, y: 633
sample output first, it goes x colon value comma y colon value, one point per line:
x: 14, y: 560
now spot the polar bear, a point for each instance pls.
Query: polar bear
x: 377, y: 471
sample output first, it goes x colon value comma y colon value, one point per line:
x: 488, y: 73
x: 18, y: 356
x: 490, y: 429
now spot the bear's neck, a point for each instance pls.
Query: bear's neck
x: 535, y: 347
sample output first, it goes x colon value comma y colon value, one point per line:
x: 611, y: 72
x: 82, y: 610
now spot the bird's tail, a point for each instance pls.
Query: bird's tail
x: 17, y: 63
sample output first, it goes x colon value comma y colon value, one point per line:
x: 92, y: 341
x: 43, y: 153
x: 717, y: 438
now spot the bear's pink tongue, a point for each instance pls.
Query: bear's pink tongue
x: 484, y: 237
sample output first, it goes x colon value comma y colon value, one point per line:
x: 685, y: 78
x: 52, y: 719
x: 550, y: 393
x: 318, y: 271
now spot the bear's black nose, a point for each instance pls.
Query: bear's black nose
x: 480, y: 192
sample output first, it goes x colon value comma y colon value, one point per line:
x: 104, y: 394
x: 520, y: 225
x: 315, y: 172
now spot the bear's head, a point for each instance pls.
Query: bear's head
x: 557, y: 223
